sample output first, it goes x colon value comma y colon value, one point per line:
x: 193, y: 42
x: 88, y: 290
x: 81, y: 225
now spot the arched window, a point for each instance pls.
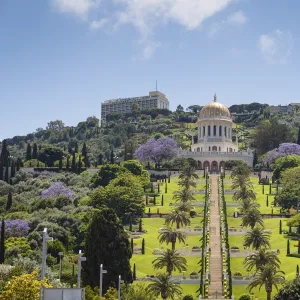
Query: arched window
x: 220, y: 130
x: 214, y: 148
x: 215, y: 130
x: 225, y: 131
x: 208, y: 130
x: 198, y: 149
x: 203, y: 130
x: 219, y: 149
x: 230, y: 149
x: 209, y: 148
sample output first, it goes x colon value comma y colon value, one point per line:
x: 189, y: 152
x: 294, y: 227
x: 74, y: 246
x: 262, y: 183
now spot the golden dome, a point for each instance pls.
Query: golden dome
x: 215, y: 110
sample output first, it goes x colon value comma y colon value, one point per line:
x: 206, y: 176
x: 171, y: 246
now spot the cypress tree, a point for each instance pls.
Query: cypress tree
x: 34, y: 151
x: 68, y: 163
x: 162, y: 200
x: 130, y: 225
x: 166, y: 188
x: 154, y: 200
x: 73, y: 167
x: 100, y: 161
x: 28, y: 152
x: 280, y: 227
x: 76, y: 147
x: 1, y: 171
x: 85, y: 155
x: 4, y: 153
x: 134, y: 272
x: 131, y: 244
x: 13, y: 169
x: 255, y: 159
x: 60, y: 165
x: 297, y: 270
x: 143, y: 246
x: 267, y: 202
x: 146, y: 199
x: 112, y: 157
x: 140, y: 226
x: 270, y: 189
x: 158, y: 188
x: 298, y: 140
x: 79, y: 164
x: 7, y: 173
x: 288, y: 247
x: 263, y: 189
x: 2, y: 242
x: 9, y: 202
x: 298, y: 247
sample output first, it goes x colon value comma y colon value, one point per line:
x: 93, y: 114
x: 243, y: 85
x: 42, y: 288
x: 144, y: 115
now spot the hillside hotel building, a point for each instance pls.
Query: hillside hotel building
x: 124, y: 105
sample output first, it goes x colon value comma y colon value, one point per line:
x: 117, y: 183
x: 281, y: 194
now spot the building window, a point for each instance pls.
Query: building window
x: 215, y: 130
x: 220, y: 130
x: 198, y: 149
x: 219, y: 149
x: 203, y: 130
x: 225, y: 131
x: 214, y: 148
x: 208, y: 130
x: 209, y: 148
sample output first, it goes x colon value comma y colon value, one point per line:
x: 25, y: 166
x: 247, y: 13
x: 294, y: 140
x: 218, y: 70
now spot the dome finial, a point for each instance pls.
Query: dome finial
x: 215, y: 97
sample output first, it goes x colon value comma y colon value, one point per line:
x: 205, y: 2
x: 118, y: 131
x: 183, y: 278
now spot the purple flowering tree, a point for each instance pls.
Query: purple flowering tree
x: 16, y: 228
x: 284, y: 149
x: 157, y: 150
x: 57, y: 189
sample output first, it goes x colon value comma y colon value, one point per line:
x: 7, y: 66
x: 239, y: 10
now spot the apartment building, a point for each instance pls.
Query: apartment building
x: 155, y: 99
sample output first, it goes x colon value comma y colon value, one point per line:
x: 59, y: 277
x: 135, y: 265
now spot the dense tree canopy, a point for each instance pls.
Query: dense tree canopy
x: 106, y: 243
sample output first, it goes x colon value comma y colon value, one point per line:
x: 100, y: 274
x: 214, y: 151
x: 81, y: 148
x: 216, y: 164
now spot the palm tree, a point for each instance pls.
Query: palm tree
x: 257, y: 238
x: 252, y: 217
x: 179, y: 217
x: 243, y: 193
x: 187, y: 177
x: 241, y: 169
x: 246, y: 205
x: 184, y: 206
x: 184, y: 195
x: 261, y: 258
x: 170, y: 236
x: 267, y: 276
x: 172, y: 260
x: 164, y: 286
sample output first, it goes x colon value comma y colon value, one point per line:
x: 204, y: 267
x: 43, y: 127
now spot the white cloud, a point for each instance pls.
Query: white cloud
x: 238, y: 18
x: 80, y: 8
x: 146, y: 14
x: 276, y: 46
x: 149, y: 49
x: 94, y: 25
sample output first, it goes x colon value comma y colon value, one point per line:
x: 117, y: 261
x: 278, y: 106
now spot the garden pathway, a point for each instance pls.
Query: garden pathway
x: 215, y: 241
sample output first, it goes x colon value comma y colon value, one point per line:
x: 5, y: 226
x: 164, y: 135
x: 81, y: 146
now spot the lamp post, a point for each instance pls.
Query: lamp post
x: 101, y: 279
x: 119, y: 287
x: 46, y: 238
x: 60, y: 264
x: 80, y: 259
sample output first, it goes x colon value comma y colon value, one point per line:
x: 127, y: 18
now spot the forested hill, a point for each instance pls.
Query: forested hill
x: 120, y: 136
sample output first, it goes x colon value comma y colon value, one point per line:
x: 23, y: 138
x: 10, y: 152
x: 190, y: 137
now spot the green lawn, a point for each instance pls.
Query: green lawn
x: 152, y: 225
x: 288, y: 264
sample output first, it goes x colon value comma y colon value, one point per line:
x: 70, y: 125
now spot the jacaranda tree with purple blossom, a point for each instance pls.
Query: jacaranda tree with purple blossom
x: 57, y: 189
x: 284, y: 149
x: 157, y: 150
x: 16, y: 228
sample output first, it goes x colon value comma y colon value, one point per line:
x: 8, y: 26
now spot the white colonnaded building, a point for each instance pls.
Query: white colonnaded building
x: 214, y: 146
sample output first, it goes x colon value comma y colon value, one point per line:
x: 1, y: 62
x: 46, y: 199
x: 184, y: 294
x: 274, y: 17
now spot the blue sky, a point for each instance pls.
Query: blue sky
x: 60, y: 59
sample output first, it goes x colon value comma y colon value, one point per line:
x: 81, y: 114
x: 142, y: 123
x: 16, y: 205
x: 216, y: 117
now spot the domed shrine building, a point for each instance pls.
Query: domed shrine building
x: 213, y: 145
